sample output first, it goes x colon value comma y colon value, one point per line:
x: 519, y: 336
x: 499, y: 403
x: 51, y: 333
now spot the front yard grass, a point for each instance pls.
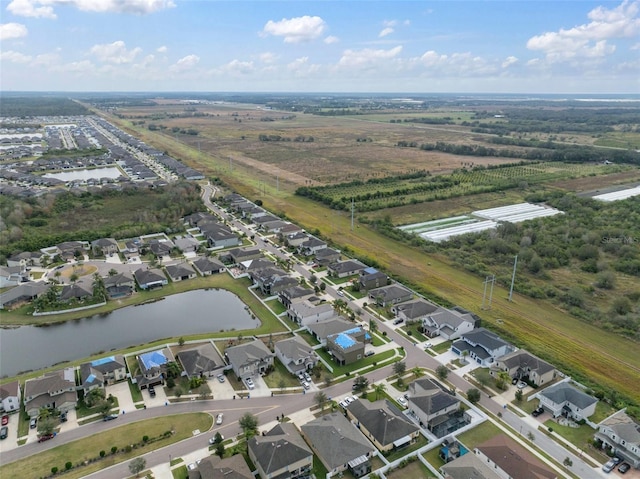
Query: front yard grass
x: 578, y: 436
x: 39, y: 465
x: 280, y: 373
x: 180, y: 473
x: 136, y: 394
x: 412, y: 330
x: 442, y: 347
x: 527, y: 406
x: 364, y: 362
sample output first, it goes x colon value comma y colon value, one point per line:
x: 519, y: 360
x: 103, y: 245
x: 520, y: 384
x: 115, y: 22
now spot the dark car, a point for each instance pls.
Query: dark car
x: 152, y: 391
x: 45, y: 437
x: 63, y: 416
x: 4, y: 432
x: 624, y: 467
x: 537, y: 412
x: 110, y: 417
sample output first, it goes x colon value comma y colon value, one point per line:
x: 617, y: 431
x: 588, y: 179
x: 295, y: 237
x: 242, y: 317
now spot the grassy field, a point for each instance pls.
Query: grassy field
x: 88, y: 448
x: 537, y: 325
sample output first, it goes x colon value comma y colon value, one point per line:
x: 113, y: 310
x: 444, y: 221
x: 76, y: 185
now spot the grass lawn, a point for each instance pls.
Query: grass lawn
x: 180, y: 473
x: 377, y: 340
x: 280, y: 373
x: 578, y: 436
x: 340, y: 370
x: 479, y: 434
x: 442, y: 347
x: 136, y: 394
x: 527, y: 406
x: 412, y: 330
x: 603, y: 411
x: 421, y: 441
x: 414, y: 469
x: 483, y: 377
x: 309, y: 338
x: 319, y: 470
x: 433, y: 457
x: 276, y: 306
x: 40, y: 465
x: 82, y: 410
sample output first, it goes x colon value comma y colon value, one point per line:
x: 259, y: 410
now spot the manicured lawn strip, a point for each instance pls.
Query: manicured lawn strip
x: 136, y: 394
x: 276, y: 306
x: 442, y: 347
x: 578, y: 436
x: 479, y: 434
x: 413, y: 328
x: 433, y: 457
x: 318, y: 470
x: 40, y: 464
x: 180, y: 473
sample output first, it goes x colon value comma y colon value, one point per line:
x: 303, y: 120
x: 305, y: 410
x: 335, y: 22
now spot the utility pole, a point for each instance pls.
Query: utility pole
x: 489, y: 279
x: 513, y: 277
x: 352, y: 208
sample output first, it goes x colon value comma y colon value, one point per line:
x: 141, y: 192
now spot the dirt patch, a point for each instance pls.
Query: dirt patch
x: 80, y: 270
x: 597, y: 184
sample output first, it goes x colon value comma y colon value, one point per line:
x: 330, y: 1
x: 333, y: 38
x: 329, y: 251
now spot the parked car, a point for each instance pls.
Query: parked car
x: 369, y: 353
x: 428, y: 346
x: 624, y: 467
x: 301, y: 375
x: 63, y: 416
x: 110, y: 417
x: 402, y: 401
x: 344, y: 404
x: 537, y: 412
x: 340, y: 293
x: 398, y: 321
x: 608, y: 467
x: 212, y: 440
x: 220, y: 377
x: 4, y: 432
x: 33, y: 423
x: 219, y: 418
x: 250, y: 384
x: 5, y: 419
x: 46, y: 437
x: 521, y: 385
x: 307, y: 377
x: 152, y: 391
x: 305, y: 385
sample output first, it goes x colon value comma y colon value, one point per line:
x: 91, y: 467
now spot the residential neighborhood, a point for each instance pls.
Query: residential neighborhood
x: 339, y: 319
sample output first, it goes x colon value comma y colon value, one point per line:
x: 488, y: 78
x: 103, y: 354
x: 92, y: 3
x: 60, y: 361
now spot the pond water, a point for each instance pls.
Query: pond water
x: 193, y: 312
x: 86, y: 174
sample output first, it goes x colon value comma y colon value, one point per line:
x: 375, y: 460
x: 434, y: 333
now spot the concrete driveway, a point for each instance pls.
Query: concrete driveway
x: 122, y: 392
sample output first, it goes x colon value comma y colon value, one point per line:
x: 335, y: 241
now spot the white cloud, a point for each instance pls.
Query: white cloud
x: 45, y: 8
x: 635, y: 46
x: 115, y: 52
x: 331, y: 39
x: 162, y: 49
x: 28, y: 8
x: 390, y: 23
x: 238, y: 66
x: 46, y: 59
x: 268, y: 57
x: 511, y: 60
x: 185, y: 63
x: 589, y: 40
x: 83, y: 67
x: 12, y: 30
x: 296, y: 30
x: 14, y: 57
x: 386, y: 31
x: 367, y: 56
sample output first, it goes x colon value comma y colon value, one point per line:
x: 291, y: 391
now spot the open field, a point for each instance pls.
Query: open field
x: 538, y: 325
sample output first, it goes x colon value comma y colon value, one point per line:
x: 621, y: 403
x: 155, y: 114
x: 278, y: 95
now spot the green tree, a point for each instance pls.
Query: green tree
x: 99, y: 290
x: 46, y: 426
x: 137, y: 465
x: 94, y: 396
x: 465, y: 353
x: 379, y: 389
x: 249, y: 425
x: 220, y: 449
x: 567, y: 462
x: 321, y: 400
x: 473, y: 395
x: 417, y: 372
x: 173, y: 369
x: 399, y: 367
x: 360, y: 384
x: 103, y: 407
x: 503, y: 380
x: 373, y: 325
x: 442, y: 372
x: 518, y: 395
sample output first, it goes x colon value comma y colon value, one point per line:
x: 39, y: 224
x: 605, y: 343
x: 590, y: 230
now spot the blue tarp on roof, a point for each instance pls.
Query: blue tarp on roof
x: 370, y: 270
x: 353, y: 330
x: 344, y: 341
x: 101, y: 361
x: 153, y: 359
x: 91, y: 378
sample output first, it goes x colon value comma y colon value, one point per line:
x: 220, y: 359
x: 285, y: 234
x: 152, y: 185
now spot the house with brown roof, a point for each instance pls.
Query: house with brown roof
x: 468, y: 466
x: 524, y: 366
x: 347, y: 346
x: 54, y: 390
x: 510, y: 459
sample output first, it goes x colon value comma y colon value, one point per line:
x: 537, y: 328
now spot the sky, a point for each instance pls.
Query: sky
x: 524, y: 46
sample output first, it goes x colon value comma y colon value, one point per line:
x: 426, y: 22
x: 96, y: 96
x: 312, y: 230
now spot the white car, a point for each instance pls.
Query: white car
x: 305, y: 385
x: 521, y: 385
x: 344, y: 403
x: 402, y: 401
x: 250, y: 384
x: 350, y: 399
x: 212, y: 440
x: 219, y: 419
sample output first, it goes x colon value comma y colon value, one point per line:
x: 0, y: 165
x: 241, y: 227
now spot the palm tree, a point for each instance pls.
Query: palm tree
x: 379, y: 388
x: 417, y: 372
x: 321, y: 400
x: 99, y: 291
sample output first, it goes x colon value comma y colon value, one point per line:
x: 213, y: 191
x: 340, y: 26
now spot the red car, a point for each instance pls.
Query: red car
x: 46, y: 437
x: 5, y: 420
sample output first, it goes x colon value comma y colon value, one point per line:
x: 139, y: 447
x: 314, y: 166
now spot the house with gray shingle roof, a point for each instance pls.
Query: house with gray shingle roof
x: 413, y: 310
x: 180, y: 272
x: 150, y: 278
x: 447, y: 323
x: 524, y: 366
x: 249, y: 359
x: 296, y: 354
x: 76, y: 291
x: 10, y: 396
x: 304, y: 312
x: 339, y: 445
x: 324, y: 329
x: 622, y: 433
x: 482, y: 346
x: 288, y: 295
x: 104, y: 246
x: 207, y: 266
x: 383, y: 424
x: 212, y: 467
x: 326, y: 256
x: 391, y: 294
x: 435, y: 409
x: 343, y: 269
x: 564, y: 399
x: 281, y: 453
x: 54, y: 390
x: 202, y: 360
x: 22, y: 293
x: 118, y: 285
x: 372, y: 278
